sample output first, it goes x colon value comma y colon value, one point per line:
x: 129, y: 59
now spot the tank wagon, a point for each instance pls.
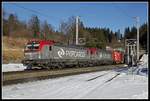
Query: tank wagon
x: 47, y: 54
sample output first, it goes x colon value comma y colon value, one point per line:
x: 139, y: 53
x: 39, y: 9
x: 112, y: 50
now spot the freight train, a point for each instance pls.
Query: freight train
x: 48, y: 54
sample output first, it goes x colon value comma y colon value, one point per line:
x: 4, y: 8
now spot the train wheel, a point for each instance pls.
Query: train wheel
x: 79, y: 65
x: 49, y: 68
x: 76, y: 66
x: 29, y: 66
x: 60, y: 66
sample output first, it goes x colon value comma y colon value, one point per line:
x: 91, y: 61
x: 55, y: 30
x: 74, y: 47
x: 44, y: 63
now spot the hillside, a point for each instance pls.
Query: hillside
x: 12, y: 49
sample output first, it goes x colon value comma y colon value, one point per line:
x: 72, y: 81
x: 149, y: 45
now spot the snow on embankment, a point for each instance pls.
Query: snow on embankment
x: 144, y: 61
x: 82, y: 86
x: 123, y: 87
x: 12, y: 67
x: 142, y: 67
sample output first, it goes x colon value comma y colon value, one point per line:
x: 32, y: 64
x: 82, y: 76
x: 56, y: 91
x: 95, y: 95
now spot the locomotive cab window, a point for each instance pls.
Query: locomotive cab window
x: 50, y: 48
x: 32, y: 46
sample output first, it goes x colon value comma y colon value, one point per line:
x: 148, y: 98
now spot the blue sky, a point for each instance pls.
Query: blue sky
x: 99, y: 14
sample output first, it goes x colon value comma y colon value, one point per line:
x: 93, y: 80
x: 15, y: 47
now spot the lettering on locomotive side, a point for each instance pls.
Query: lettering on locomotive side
x: 61, y: 53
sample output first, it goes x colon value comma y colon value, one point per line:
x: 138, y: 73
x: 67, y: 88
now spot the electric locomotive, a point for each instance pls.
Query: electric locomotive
x: 47, y: 54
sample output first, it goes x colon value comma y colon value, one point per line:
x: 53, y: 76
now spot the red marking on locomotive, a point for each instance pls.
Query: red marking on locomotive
x: 43, y: 42
x: 92, y: 50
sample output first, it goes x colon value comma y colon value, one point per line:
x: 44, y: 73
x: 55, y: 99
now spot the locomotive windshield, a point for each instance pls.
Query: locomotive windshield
x: 32, y: 46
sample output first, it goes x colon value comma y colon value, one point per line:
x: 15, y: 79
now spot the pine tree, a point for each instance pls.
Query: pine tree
x: 34, y: 25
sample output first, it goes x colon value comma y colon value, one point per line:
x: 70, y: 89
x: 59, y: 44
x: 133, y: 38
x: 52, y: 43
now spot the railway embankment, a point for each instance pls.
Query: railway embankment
x: 32, y: 75
x: 12, y: 49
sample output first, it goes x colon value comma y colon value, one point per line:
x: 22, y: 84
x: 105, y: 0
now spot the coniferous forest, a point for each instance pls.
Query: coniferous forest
x: 93, y: 37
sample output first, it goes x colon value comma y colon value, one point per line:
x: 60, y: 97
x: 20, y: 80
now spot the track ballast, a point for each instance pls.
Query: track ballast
x: 15, y: 77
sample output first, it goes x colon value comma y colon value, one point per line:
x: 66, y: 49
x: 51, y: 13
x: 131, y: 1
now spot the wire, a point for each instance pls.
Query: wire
x: 122, y: 10
x: 34, y: 11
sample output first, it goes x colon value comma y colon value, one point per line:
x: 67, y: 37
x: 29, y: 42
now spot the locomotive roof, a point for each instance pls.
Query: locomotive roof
x: 79, y: 47
x: 62, y: 45
x: 38, y: 41
x: 70, y: 46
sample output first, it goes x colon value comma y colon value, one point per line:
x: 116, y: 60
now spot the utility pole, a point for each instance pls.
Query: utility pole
x: 137, y: 25
x: 77, y: 18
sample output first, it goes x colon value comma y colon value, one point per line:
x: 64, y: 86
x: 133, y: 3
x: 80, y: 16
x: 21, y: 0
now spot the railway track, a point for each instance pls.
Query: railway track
x: 32, y: 75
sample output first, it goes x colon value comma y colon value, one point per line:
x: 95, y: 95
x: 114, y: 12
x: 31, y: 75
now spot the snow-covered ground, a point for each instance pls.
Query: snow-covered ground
x: 96, y: 85
x: 124, y: 86
x: 12, y: 67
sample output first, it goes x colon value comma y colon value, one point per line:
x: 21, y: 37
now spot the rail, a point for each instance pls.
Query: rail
x: 32, y: 75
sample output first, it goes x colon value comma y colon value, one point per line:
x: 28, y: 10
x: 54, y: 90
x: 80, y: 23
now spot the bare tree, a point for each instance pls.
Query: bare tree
x: 47, y: 29
x: 12, y: 23
x: 68, y: 28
